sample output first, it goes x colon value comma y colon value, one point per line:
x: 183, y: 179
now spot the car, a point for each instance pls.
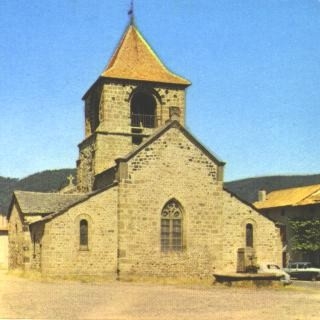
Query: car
x: 303, y: 271
x: 275, y: 269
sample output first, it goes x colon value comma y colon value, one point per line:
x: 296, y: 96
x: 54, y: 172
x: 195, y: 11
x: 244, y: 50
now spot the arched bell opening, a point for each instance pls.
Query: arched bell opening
x: 143, y: 108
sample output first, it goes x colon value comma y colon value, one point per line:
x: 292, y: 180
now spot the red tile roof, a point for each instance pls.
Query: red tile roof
x: 135, y: 60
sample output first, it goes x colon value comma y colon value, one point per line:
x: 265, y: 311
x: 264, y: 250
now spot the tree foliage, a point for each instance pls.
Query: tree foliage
x: 306, y: 234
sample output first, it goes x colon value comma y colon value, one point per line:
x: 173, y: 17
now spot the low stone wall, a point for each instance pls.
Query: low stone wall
x: 248, y: 279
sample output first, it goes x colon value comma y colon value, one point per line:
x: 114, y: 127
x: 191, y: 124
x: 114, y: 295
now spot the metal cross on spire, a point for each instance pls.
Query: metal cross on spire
x: 131, y: 13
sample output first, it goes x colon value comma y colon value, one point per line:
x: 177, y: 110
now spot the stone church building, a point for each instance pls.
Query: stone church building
x: 149, y: 200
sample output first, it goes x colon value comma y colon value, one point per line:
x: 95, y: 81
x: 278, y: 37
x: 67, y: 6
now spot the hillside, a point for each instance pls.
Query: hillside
x: 247, y: 189
x: 46, y: 181
x: 53, y: 180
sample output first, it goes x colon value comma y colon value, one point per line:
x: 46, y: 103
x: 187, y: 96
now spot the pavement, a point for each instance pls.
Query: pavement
x: 22, y: 298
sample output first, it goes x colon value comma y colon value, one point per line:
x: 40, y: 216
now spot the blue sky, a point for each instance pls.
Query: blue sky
x: 254, y: 67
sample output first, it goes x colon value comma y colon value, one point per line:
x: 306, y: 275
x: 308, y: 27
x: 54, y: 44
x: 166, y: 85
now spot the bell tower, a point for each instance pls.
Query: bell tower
x: 133, y: 96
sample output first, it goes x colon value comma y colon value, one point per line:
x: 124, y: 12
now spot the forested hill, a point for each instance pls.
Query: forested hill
x: 46, y: 181
x: 53, y: 180
x: 247, y: 189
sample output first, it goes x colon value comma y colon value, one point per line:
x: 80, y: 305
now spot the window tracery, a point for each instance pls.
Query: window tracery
x: 171, y: 227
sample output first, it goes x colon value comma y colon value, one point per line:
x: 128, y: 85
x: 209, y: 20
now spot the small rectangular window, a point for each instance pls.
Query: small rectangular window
x: 84, y: 234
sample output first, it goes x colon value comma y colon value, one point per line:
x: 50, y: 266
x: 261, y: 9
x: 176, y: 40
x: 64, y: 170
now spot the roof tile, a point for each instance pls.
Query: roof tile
x: 45, y: 203
x: 135, y: 60
x: 291, y: 197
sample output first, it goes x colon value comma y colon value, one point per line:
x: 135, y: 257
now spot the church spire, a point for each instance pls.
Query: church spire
x: 134, y: 59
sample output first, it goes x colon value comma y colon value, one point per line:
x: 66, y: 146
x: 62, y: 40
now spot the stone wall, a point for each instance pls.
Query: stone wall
x: 170, y: 168
x: 86, y: 165
x: 19, y: 241
x: 36, y: 233
x: 61, y: 253
x: 266, y: 236
x: 113, y: 136
x: 125, y: 221
x: 115, y: 103
x: 213, y: 222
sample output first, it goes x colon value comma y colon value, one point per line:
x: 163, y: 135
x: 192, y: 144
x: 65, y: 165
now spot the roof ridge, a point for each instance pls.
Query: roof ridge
x: 292, y: 188
x: 48, y: 193
x: 295, y: 196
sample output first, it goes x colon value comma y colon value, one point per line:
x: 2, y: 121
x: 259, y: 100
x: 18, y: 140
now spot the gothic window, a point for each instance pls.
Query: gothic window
x: 171, y: 227
x: 249, y: 235
x: 143, y: 110
x: 83, y: 234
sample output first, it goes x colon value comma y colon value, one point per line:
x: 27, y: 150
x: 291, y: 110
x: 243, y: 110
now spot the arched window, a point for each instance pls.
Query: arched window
x: 171, y: 227
x: 249, y: 235
x: 83, y: 234
x: 143, y: 110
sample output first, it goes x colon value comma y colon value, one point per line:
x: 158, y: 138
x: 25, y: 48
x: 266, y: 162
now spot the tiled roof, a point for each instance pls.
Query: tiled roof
x: 45, y: 203
x: 135, y: 60
x: 67, y: 202
x: 291, y: 197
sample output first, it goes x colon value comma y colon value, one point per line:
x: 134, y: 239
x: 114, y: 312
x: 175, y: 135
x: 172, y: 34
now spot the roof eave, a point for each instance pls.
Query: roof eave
x: 182, y: 83
x: 102, y: 79
x: 57, y: 213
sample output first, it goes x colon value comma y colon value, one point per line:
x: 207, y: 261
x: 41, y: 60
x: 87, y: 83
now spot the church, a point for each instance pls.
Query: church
x: 149, y: 201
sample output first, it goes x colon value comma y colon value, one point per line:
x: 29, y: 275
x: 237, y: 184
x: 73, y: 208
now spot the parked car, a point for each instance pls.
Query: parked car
x: 303, y: 271
x: 275, y: 269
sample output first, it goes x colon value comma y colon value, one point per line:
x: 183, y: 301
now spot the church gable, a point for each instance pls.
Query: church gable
x: 169, y: 183
x: 174, y: 148
x: 172, y: 187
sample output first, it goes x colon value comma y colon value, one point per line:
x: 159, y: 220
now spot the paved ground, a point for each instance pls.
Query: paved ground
x: 29, y: 299
x: 307, y: 284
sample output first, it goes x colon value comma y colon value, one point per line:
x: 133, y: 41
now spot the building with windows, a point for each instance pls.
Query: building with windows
x: 282, y: 206
x: 149, y: 200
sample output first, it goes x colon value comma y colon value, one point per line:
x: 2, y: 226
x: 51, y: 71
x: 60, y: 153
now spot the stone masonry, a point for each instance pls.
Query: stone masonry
x: 130, y: 172
x: 108, y: 130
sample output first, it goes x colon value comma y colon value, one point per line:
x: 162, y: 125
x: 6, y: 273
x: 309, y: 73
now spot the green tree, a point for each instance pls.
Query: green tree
x: 306, y: 235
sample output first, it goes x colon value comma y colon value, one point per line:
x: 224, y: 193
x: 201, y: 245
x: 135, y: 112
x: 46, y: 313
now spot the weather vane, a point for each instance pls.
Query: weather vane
x: 130, y: 13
